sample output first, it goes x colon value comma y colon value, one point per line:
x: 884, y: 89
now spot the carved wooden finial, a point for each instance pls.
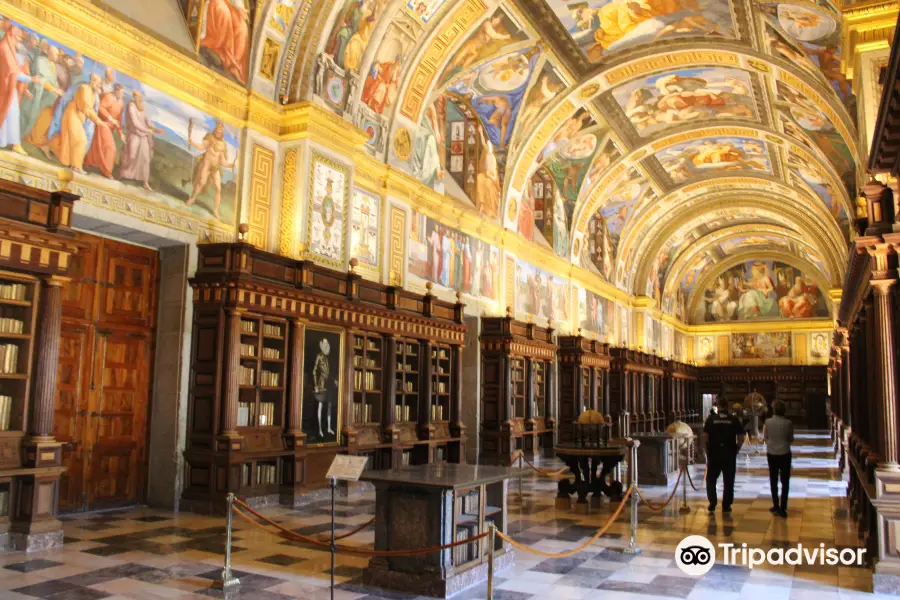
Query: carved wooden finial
x: 428, y: 286
x: 580, y: 332
x: 353, y: 264
x: 509, y: 311
x: 243, y: 228
x: 458, y: 297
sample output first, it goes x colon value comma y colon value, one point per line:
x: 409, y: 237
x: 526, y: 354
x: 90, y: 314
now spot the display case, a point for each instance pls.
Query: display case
x: 293, y: 363
x: 37, y: 251
x: 584, y: 366
x: 518, y: 391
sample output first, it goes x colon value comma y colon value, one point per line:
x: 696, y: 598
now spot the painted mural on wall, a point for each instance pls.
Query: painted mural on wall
x: 819, y: 346
x: 668, y: 99
x: 698, y: 158
x: 352, y: 32
x: 365, y: 225
x: 600, y: 27
x: 226, y: 35
x: 382, y: 82
x: 817, y: 31
x: 453, y: 259
x: 814, y: 176
x: 761, y: 346
x: 491, y: 37
x: 545, y: 86
x: 761, y: 289
x: 328, y: 194
x: 706, y: 349
x: 67, y: 109
x: 595, y: 314
x: 541, y: 294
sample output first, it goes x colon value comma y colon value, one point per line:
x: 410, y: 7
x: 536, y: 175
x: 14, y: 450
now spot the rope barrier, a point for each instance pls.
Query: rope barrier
x: 574, y: 551
x: 659, y: 507
x: 241, y: 506
x: 688, y: 471
x: 542, y: 472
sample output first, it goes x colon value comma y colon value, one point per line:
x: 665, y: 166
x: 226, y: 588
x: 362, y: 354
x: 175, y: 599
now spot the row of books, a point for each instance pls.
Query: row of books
x: 370, y: 362
x: 272, y: 330
x: 5, y: 412
x: 370, y: 345
x: 442, y: 354
x: 401, y: 367
x: 468, y: 504
x: 248, y: 350
x: 8, y: 325
x: 442, y: 387
x: 247, y: 376
x: 408, y: 387
x: 266, y: 414
x: 465, y: 552
x: 269, y: 379
x: 410, y: 349
x: 265, y: 474
x: 9, y: 358
x: 401, y: 414
x: 4, y: 502
x: 364, y: 382
x: 271, y: 353
x: 248, y: 326
x: 437, y: 412
x: 13, y: 291
x: 361, y: 412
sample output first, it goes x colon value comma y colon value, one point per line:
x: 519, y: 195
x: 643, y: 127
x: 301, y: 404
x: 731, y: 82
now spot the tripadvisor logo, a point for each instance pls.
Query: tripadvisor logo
x: 695, y: 555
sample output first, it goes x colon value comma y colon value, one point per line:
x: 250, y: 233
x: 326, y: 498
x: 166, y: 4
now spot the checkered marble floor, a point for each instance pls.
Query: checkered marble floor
x: 149, y: 554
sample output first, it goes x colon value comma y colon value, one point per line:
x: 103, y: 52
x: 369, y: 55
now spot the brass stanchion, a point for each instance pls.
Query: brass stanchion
x: 492, y: 541
x: 227, y: 582
x: 632, y: 537
x: 521, y: 497
x: 685, y: 509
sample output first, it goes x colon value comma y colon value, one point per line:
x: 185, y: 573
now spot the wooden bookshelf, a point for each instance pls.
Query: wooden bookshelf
x: 518, y: 392
x: 39, y: 245
x: 584, y: 366
x: 352, y: 366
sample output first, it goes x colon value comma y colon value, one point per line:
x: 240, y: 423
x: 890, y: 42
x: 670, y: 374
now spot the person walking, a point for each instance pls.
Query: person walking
x: 724, y: 436
x: 779, y: 433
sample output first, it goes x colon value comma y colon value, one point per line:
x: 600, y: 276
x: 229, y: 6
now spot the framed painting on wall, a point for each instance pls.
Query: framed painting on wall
x: 329, y: 189
x: 323, y: 359
x: 365, y: 228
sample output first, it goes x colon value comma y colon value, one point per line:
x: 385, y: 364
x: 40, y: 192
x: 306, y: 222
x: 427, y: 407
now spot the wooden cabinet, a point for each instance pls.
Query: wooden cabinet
x: 583, y: 381
x: 103, y: 377
x: 517, y: 389
x: 35, y: 262
x: 293, y: 363
x: 636, y: 389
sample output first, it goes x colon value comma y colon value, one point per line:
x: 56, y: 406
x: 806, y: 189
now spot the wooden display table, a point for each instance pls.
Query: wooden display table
x: 583, y: 462
x: 434, y: 505
x: 658, y: 459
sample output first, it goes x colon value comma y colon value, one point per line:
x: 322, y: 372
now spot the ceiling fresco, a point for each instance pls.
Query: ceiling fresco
x: 624, y: 136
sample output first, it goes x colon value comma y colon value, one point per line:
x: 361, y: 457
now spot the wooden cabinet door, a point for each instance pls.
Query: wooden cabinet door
x: 119, y: 419
x: 70, y: 423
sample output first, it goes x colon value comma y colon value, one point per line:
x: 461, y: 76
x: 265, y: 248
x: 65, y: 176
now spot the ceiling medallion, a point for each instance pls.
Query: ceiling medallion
x: 759, y: 65
x: 403, y: 144
x: 589, y: 91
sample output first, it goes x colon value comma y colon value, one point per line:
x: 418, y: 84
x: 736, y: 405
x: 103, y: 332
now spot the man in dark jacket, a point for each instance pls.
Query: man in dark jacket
x: 724, y: 436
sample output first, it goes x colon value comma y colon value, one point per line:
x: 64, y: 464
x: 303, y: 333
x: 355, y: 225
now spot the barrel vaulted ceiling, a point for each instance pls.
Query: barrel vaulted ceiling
x: 657, y: 143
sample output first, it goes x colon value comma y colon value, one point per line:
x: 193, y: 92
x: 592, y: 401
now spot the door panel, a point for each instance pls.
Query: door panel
x: 72, y: 399
x: 120, y: 418
x: 104, y: 374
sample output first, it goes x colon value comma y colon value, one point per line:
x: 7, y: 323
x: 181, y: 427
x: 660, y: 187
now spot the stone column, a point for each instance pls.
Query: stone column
x: 232, y: 357
x: 47, y: 348
x: 884, y: 280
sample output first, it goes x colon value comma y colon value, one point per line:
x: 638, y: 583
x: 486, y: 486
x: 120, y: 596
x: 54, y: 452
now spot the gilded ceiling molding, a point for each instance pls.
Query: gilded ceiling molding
x: 795, y: 326
x: 793, y: 260
x: 866, y: 26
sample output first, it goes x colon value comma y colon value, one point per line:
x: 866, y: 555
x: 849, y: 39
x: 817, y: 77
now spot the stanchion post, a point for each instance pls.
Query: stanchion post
x: 228, y: 582
x: 685, y: 509
x: 492, y: 543
x: 521, y: 497
x: 333, y: 489
x: 632, y: 536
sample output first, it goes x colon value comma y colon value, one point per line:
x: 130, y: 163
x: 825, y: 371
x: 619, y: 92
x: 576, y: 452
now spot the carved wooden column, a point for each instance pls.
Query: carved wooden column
x: 48, y: 337
x: 231, y: 393
x: 845, y: 381
x: 883, y: 282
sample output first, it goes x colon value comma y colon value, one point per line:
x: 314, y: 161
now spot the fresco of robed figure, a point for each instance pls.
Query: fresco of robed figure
x: 60, y: 106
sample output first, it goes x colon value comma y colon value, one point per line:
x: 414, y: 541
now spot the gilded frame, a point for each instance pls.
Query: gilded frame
x: 315, y: 159
x: 307, y: 378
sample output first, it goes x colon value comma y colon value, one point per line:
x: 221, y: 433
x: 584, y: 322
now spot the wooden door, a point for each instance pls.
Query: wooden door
x: 104, y: 374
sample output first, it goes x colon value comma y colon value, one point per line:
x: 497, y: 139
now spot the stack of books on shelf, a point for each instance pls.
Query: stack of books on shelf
x: 370, y: 363
x: 271, y: 353
x: 5, y: 412
x: 247, y: 375
x: 248, y: 350
x: 372, y: 345
x: 410, y: 388
x: 361, y: 412
x: 401, y: 414
x: 9, y: 359
x: 364, y: 382
x: 271, y: 330
x: 266, y: 414
x: 441, y: 387
x: 13, y: 291
x: 437, y: 412
x: 465, y: 552
x: 8, y: 325
x: 440, y: 454
x: 4, y: 502
x: 265, y: 474
x: 404, y: 459
x: 269, y: 379
x: 244, y: 409
x: 248, y: 326
x: 245, y: 475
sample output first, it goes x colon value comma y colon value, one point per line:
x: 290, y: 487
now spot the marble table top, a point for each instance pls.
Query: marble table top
x: 443, y: 475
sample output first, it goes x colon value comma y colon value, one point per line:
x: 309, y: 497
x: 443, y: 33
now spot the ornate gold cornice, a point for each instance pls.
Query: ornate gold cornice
x: 866, y: 27
x: 807, y: 325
